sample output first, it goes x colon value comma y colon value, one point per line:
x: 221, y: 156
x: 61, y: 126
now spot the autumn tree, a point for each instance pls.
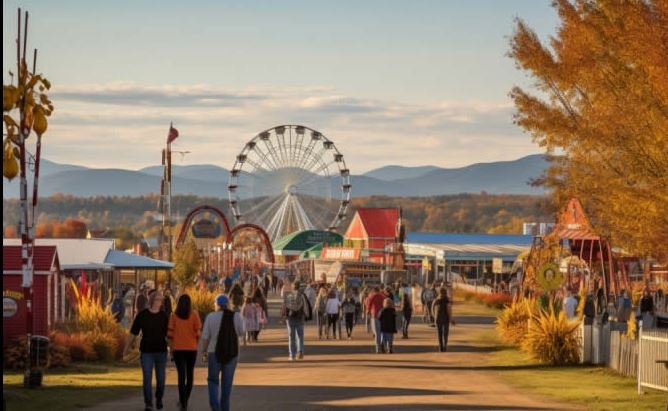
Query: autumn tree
x: 600, y: 107
x: 187, y: 262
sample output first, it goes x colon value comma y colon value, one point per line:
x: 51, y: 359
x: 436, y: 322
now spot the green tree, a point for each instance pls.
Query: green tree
x: 187, y: 261
x: 600, y: 105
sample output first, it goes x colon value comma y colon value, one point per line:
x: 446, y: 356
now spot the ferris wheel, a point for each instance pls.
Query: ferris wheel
x: 290, y: 178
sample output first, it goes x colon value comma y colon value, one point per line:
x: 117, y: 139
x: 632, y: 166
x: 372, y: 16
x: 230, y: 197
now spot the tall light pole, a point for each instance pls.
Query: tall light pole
x: 166, y: 194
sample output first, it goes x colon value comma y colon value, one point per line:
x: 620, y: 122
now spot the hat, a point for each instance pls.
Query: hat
x: 222, y: 300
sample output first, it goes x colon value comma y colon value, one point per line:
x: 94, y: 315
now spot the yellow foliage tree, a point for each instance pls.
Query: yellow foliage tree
x: 601, y: 110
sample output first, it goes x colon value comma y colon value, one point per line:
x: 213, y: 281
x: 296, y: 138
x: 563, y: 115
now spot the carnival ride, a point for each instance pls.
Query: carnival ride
x: 289, y: 178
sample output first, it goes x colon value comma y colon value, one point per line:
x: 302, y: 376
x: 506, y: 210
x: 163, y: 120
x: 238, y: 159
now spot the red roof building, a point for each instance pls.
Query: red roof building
x: 47, y: 292
x: 372, y: 229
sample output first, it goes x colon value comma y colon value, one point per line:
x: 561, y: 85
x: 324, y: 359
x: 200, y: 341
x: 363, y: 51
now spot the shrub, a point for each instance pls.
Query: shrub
x: 202, y: 300
x: 91, y: 315
x: 14, y: 356
x: 59, y: 356
x: 104, y: 345
x: 80, y: 346
x: 552, y: 338
x: 497, y: 300
x: 513, y: 322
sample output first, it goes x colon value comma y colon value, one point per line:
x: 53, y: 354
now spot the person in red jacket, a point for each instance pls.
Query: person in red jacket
x: 374, y: 303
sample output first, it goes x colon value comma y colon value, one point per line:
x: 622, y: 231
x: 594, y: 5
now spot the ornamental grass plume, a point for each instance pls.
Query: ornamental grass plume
x: 202, y: 300
x: 552, y: 338
x: 513, y: 322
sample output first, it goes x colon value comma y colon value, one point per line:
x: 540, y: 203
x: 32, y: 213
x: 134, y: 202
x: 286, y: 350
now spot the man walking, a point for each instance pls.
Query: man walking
x: 220, y: 340
x: 296, y: 310
x: 374, y: 303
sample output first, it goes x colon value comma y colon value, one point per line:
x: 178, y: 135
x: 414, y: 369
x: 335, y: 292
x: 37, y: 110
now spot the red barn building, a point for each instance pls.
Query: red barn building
x: 372, y: 229
x: 47, y: 302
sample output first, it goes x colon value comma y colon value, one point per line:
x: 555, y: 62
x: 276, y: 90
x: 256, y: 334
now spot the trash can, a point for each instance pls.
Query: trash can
x: 39, y: 359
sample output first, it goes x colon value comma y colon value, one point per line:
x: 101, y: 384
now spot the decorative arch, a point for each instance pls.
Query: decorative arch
x: 263, y: 234
x: 189, y: 219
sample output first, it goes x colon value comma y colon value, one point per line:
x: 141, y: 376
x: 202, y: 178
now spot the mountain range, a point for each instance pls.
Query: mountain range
x: 502, y: 177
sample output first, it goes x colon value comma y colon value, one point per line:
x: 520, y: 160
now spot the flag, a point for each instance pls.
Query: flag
x: 173, y: 134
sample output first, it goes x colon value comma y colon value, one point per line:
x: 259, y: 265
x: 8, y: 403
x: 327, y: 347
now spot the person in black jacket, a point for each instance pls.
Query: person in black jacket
x: 388, y: 325
x: 407, y: 311
x: 442, y: 313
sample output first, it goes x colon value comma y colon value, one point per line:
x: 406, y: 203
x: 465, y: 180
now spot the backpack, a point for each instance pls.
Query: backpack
x: 294, y: 304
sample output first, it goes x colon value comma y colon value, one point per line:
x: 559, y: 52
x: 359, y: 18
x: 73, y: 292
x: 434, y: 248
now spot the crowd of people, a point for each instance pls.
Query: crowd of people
x: 173, y: 330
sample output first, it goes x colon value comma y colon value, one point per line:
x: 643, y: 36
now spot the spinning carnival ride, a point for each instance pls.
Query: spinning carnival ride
x: 290, y: 178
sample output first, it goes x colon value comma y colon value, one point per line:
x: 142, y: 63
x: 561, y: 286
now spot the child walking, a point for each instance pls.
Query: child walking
x: 388, y: 325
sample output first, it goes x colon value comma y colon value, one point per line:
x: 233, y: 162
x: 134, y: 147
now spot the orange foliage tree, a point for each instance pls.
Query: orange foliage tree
x: 601, y: 107
x: 70, y: 228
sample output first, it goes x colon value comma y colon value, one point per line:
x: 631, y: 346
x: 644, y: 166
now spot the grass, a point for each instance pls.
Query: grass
x: 462, y: 308
x: 79, y: 386
x: 590, y: 387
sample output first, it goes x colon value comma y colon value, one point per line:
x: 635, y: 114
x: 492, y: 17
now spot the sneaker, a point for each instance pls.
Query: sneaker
x: 291, y: 358
x: 300, y: 356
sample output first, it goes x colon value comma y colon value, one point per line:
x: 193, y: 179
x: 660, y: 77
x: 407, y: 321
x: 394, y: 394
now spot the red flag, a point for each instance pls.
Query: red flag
x: 173, y: 133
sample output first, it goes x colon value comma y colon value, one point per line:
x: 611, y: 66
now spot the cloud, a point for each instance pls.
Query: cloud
x: 125, y: 125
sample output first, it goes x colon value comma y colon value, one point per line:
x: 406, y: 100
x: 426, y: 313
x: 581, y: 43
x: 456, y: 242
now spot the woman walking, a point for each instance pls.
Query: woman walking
x: 407, y: 312
x: 442, y: 314
x: 249, y: 313
x: 321, y: 311
x: 388, y: 325
x: 152, y: 323
x: 183, y: 333
x: 333, y: 306
x: 349, y: 308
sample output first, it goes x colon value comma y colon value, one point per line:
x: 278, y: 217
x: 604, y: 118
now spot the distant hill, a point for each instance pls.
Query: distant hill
x: 503, y: 177
x: 391, y: 173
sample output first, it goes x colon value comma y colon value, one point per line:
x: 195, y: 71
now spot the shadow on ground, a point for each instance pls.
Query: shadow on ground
x: 305, y: 397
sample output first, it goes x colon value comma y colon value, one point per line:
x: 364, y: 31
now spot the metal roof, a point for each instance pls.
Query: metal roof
x: 469, y: 239
x: 76, y: 253
x: 93, y: 254
x: 299, y: 241
x: 121, y: 259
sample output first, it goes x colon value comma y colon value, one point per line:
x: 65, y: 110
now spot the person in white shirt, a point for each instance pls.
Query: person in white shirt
x: 332, y: 309
x: 569, y: 304
x: 222, y: 360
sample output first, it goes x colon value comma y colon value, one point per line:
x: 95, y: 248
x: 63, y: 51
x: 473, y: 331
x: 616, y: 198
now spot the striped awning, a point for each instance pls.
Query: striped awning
x: 575, y: 234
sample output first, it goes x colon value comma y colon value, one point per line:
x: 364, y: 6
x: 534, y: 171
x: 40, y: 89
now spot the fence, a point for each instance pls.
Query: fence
x: 483, y: 289
x: 644, y: 358
x: 653, y: 347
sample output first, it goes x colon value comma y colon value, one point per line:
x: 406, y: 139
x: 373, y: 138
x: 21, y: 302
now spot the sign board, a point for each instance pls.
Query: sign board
x: 426, y: 264
x: 340, y: 253
x: 206, y: 228
x: 497, y: 265
x: 550, y: 277
x: 9, y: 307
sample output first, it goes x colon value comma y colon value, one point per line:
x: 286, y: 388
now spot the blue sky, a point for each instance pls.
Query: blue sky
x: 391, y: 82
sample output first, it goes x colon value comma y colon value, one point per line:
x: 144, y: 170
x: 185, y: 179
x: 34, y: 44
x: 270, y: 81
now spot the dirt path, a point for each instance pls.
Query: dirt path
x: 349, y: 375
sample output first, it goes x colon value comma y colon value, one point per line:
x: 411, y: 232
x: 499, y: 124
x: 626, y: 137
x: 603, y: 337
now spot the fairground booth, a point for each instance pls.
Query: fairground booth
x: 47, y: 292
x: 469, y: 257
x: 98, y: 266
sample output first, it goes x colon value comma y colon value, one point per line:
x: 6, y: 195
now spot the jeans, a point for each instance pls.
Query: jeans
x: 350, y: 321
x: 376, y: 331
x: 185, y: 365
x: 150, y: 361
x: 322, y: 324
x: 429, y: 317
x: 443, y: 330
x: 295, y: 337
x: 386, y: 341
x: 407, y: 322
x: 220, y: 386
x: 333, y: 321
